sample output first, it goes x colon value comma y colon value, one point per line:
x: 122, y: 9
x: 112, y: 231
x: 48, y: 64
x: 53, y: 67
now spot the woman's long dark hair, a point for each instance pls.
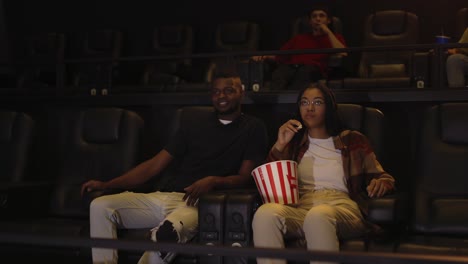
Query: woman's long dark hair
x: 333, y: 123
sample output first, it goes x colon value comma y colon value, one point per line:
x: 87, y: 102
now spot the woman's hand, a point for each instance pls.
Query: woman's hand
x: 378, y: 187
x: 286, y: 132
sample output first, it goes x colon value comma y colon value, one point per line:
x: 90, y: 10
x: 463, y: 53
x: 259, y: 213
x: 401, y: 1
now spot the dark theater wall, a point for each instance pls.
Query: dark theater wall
x: 137, y: 18
x: 3, y: 35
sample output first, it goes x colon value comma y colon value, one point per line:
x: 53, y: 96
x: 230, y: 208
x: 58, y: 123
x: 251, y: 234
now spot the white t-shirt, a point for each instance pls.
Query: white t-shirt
x: 225, y: 122
x: 321, y: 167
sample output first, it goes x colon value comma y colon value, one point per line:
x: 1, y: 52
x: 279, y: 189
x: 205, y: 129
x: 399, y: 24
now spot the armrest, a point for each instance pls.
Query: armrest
x: 225, y: 218
x: 336, y: 68
x: 389, y: 210
x: 15, y: 197
x: 421, y: 69
x: 335, y: 60
x: 216, y: 212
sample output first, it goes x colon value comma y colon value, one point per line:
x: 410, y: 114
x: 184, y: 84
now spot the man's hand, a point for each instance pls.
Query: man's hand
x: 378, y: 187
x: 194, y: 191
x: 257, y: 58
x: 451, y: 51
x: 92, y: 185
x: 262, y: 58
x: 325, y: 29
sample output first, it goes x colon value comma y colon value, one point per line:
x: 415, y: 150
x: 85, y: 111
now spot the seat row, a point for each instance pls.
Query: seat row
x: 46, y: 156
x: 97, y: 58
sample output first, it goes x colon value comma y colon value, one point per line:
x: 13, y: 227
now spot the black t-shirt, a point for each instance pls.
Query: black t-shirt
x: 203, y: 146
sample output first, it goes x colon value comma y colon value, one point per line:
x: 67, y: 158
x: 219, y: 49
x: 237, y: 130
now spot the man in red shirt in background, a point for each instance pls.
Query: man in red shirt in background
x: 297, y: 70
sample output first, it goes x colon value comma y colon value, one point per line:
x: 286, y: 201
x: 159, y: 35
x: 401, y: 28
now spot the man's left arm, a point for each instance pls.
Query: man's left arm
x: 335, y: 41
x: 209, y: 183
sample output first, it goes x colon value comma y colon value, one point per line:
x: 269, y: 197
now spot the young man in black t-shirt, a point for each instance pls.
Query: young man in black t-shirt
x: 214, y: 150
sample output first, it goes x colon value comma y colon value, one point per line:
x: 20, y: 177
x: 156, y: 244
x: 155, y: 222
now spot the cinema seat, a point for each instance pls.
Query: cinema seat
x: 93, y: 143
x: 16, y: 134
x: 168, y: 73
x: 99, y: 51
x: 386, y: 68
x: 439, y: 222
x: 43, y: 52
x: 235, y: 36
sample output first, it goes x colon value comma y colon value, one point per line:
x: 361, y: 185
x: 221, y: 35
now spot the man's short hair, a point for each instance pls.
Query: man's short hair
x: 322, y: 7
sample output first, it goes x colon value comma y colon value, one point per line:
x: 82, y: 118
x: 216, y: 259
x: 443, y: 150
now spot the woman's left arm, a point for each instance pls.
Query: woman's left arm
x: 381, y: 182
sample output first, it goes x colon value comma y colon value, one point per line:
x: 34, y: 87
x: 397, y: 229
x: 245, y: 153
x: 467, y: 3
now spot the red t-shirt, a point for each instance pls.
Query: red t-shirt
x: 308, y: 41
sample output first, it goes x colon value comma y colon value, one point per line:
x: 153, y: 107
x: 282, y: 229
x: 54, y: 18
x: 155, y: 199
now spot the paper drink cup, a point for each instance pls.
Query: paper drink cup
x: 442, y: 39
x: 277, y: 182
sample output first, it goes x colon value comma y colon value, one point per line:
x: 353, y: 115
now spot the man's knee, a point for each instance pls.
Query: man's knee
x: 455, y: 60
x: 99, y: 204
x: 166, y: 233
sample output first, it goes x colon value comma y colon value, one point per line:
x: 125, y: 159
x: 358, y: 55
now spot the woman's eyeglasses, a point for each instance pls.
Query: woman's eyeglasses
x: 316, y: 102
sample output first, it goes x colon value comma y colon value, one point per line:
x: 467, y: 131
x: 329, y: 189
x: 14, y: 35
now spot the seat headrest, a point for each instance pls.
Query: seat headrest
x: 391, y: 22
x: 102, y: 125
x: 101, y: 40
x: 44, y: 43
x: 234, y: 32
x: 170, y: 36
x: 454, y: 123
x: 351, y: 115
x: 389, y: 70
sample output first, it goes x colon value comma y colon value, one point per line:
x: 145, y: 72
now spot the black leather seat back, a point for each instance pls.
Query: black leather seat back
x: 231, y: 37
x: 173, y: 40
x: 105, y: 44
x: 43, y: 50
x: 237, y: 36
x: 46, y: 47
x: 99, y: 143
x: 441, y: 197
x: 367, y: 120
x: 102, y: 43
x: 16, y: 132
x: 389, y: 27
x: 170, y: 40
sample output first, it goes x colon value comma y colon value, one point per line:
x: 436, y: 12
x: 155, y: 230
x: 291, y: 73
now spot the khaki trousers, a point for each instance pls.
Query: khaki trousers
x: 139, y: 210
x: 321, y: 217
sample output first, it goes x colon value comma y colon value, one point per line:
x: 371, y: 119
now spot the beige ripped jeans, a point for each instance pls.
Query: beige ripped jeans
x: 139, y: 210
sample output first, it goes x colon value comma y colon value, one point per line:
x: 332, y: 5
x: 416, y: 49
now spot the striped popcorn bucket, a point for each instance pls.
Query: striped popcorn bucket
x: 277, y: 182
